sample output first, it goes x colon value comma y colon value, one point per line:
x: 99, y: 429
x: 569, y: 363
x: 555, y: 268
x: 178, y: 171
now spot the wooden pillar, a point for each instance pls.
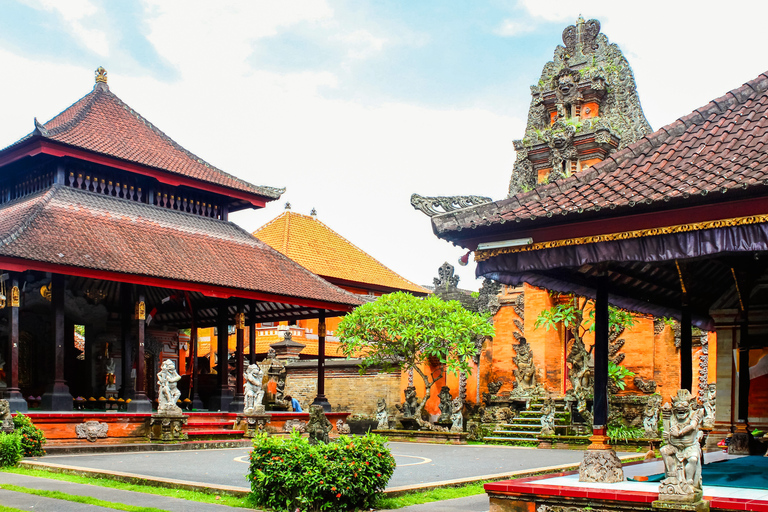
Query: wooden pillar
x: 740, y: 440
x: 195, y: 377
x: 140, y: 402
x: 13, y: 393
x: 126, y: 342
x: 601, y: 360
x: 222, y: 395
x: 237, y: 404
x: 252, y: 334
x: 57, y: 396
x: 686, y: 347
x: 320, y: 399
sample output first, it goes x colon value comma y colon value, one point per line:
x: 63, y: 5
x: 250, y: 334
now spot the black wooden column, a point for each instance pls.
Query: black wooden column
x: 320, y: 399
x: 140, y: 402
x: 126, y: 342
x: 237, y: 403
x: 57, y: 396
x: 744, y: 345
x: 686, y: 347
x: 195, y: 378
x: 252, y: 334
x: 600, y: 418
x: 13, y: 393
x: 222, y: 395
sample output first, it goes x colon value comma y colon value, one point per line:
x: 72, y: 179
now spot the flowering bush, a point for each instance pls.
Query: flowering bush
x: 10, y: 449
x: 348, y: 474
x: 32, y: 438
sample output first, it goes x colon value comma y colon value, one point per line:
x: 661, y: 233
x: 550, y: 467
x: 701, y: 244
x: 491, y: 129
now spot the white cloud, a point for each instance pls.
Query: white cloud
x: 513, y: 27
x: 362, y: 44
x: 74, y: 13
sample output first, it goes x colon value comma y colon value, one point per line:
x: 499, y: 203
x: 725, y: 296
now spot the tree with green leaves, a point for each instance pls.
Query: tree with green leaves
x: 399, y: 331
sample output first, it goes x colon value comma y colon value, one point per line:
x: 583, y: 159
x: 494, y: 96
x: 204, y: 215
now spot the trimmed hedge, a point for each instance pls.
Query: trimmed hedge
x: 10, y: 449
x: 32, y: 438
x: 289, y: 474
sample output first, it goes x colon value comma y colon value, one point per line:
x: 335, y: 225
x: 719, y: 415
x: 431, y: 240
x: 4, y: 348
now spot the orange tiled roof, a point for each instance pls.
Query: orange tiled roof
x: 102, y: 123
x: 318, y: 248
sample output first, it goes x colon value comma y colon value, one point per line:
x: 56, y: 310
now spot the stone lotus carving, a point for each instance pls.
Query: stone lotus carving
x: 548, y: 418
x: 6, y: 420
x: 432, y: 206
x: 457, y: 418
x: 167, y: 390
x: 651, y: 416
x: 710, y: 407
x: 682, y: 453
x: 91, y: 430
x: 382, y: 416
x: 318, y: 426
x: 254, y: 394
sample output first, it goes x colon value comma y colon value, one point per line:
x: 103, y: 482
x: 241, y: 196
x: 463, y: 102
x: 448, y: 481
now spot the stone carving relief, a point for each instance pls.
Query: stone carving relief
x: 646, y: 386
x: 601, y: 466
x: 167, y: 390
x: 382, y: 416
x: 445, y: 404
x: 432, y: 206
x: 411, y: 403
x: 91, y: 430
x: 291, y: 425
x: 710, y: 407
x: 254, y: 394
x: 341, y: 427
x: 651, y: 413
x: 318, y: 426
x: 682, y: 453
x: 525, y: 371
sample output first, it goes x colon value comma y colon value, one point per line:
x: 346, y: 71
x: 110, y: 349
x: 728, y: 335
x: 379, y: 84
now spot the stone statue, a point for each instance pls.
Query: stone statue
x: 280, y: 392
x: 580, y: 373
x: 525, y: 373
x: 6, y: 420
x: 110, y: 377
x: 411, y: 403
x: 382, y: 416
x: 318, y: 426
x: 254, y: 393
x: 168, y: 392
x: 342, y: 428
x: 682, y: 453
x: 445, y: 405
x: 548, y: 418
x: 651, y: 416
x: 457, y: 418
x: 709, y: 407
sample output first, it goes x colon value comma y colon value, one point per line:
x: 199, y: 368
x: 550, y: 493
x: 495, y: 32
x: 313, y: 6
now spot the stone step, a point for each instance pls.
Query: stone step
x: 209, y: 423
x: 217, y: 433
x: 515, y: 432
x: 511, y: 439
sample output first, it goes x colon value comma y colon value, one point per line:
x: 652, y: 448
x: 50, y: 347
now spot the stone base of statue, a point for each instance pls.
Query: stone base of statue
x: 602, y: 466
x: 409, y: 423
x: 672, y: 490
x: 697, y: 506
x: 252, y: 422
x: 166, y: 428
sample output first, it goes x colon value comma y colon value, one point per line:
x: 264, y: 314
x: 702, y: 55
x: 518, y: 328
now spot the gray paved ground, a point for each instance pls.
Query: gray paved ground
x: 417, y: 463
x: 477, y: 503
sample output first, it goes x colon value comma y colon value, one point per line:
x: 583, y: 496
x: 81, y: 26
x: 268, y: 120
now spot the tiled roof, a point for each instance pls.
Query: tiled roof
x: 719, y: 149
x: 317, y: 247
x: 67, y: 226
x: 102, y: 123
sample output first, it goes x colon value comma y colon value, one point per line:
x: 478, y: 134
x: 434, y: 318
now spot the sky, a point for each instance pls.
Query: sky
x: 355, y: 105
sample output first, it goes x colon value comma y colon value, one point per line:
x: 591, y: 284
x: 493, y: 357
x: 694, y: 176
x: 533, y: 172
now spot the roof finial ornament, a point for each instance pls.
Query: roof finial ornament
x: 287, y: 205
x: 313, y: 213
x: 101, y: 75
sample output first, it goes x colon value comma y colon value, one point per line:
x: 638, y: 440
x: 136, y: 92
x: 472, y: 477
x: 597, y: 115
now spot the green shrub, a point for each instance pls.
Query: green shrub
x: 348, y: 474
x: 32, y: 438
x: 10, y: 449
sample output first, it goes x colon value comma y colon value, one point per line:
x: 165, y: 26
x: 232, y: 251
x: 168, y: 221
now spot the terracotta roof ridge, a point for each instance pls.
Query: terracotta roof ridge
x: 79, y: 116
x: 43, y: 201
x: 366, y: 254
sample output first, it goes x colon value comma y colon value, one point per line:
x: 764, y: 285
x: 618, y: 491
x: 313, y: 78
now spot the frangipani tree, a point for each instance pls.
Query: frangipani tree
x: 399, y: 331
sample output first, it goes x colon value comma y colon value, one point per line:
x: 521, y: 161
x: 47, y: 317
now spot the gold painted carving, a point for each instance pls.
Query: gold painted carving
x: 240, y: 321
x: 141, y: 311
x: 625, y: 235
x: 45, y: 291
x: 15, y: 297
x: 321, y: 328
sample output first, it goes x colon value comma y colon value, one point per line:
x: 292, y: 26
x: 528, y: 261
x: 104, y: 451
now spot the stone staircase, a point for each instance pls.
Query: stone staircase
x: 212, y: 426
x: 524, y: 429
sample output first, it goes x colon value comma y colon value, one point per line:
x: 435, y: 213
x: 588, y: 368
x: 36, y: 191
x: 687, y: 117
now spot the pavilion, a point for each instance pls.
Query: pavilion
x: 675, y: 224
x: 107, y: 223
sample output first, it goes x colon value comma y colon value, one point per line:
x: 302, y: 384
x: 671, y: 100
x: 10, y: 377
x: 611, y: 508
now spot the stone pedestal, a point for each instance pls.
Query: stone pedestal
x: 167, y: 428
x: 739, y: 444
x: 600, y: 464
x: 409, y: 423
x: 697, y: 506
x: 253, y: 423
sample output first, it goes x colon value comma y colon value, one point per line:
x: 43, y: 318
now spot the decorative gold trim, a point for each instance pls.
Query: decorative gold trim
x: 240, y: 321
x: 738, y: 292
x: 45, y: 291
x: 15, y: 297
x: 321, y: 328
x: 680, y: 275
x: 141, y: 311
x: 626, y: 235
